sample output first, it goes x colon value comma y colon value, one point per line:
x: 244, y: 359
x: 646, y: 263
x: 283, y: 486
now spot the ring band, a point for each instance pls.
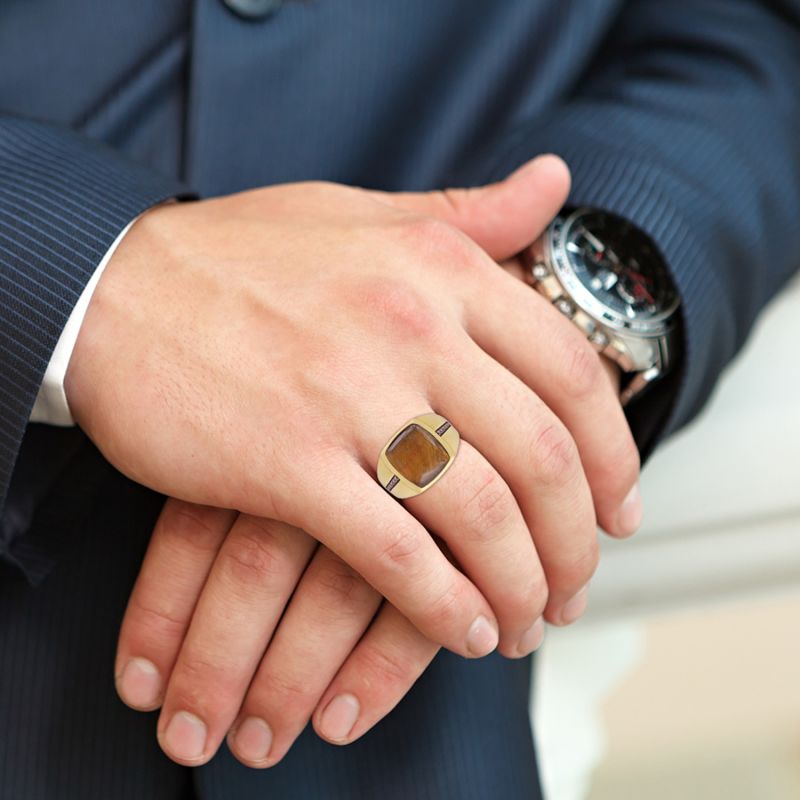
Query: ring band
x: 417, y: 455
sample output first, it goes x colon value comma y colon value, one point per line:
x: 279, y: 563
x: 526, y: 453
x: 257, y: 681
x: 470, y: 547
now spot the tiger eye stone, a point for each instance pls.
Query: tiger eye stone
x: 416, y: 455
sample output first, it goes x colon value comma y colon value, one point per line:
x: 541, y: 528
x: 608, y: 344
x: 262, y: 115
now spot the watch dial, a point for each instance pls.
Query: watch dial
x: 619, y: 265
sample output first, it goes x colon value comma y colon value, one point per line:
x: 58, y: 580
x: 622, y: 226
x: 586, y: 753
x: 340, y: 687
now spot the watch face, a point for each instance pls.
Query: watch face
x: 616, y: 265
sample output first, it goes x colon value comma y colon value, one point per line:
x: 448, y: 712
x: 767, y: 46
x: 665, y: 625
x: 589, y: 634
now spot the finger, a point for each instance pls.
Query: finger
x: 477, y: 515
x: 528, y: 335
x: 377, y: 675
x: 253, y: 577
x: 330, y: 610
x: 504, y: 217
x: 535, y: 454
x: 473, y: 509
x: 182, y: 549
x: 516, y: 267
x: 369, y: 529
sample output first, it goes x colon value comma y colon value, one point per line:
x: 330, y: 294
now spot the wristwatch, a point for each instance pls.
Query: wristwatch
x: 609, y: 278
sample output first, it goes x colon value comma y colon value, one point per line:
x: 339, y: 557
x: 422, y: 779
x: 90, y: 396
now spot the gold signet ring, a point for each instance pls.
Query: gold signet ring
x: 417, y: 455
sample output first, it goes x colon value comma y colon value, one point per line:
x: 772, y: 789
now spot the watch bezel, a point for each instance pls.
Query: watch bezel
x: 556, y: 238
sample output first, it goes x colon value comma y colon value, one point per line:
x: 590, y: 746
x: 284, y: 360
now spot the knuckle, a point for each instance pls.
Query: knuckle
x: 340, y: 586
x: 250, y: 559
x: 490, y: 507
x: 200, y: 683
x: 403, y: 309
x: 555, y: 456
x: 445, y: 612
x: 583, y: 371
x: 197, y: 668
x: 430, y: 231
x: 443, y: 244
x: 522, y: 600
x: 201, y: 527
x: 382, y: 667
x: 156, y: 622
x: 281, y: 692
x: 531, y: 601
x: 402, y: 549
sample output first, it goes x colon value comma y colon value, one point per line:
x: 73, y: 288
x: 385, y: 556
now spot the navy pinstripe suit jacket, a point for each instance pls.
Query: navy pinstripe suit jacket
x: 682, y: 115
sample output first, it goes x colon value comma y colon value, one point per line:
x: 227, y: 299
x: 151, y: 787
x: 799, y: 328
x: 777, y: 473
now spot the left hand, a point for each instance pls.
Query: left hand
x: 213, y: 586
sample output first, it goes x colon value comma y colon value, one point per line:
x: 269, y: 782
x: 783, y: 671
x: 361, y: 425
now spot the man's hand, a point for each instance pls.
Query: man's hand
x: 243, y: 353
x: 210, y: 596
x: 213, y: 588
x: 318, y: 657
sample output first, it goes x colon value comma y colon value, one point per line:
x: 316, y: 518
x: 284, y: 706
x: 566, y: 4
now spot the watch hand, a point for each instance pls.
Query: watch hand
x: 594, y: 241
x: 638, y: 277
x: 640, y: 293
x: 610, y: 281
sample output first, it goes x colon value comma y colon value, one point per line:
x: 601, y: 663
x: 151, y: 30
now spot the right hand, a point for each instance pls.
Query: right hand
x: 257, y: 351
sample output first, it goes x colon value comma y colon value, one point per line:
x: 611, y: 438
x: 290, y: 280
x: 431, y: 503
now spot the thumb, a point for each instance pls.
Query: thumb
x: 502, y: 218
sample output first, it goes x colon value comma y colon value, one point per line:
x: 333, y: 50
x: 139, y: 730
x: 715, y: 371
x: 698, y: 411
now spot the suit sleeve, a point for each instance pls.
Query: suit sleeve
x: 63, y: 200
x: 688, y: 124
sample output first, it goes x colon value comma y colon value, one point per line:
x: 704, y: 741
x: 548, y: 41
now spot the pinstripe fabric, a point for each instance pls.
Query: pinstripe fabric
x: 63, y: 200
x: 697, y: 141
x: 64, y: 735
x: 463, y: 732
x: 680, y: 114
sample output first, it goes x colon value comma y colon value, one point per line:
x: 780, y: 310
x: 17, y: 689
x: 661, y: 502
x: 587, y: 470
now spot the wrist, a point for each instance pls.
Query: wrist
x: 99, y: 315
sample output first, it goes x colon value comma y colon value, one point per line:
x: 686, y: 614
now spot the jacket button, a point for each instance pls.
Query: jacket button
x: 252, y: 9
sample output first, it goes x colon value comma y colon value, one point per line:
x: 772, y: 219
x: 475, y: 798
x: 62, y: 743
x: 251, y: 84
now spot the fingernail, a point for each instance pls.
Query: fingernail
x: 253, y: 739
x: 575, y: 606
x: 139, y: 684
x: 482, y: 637
x: 532, y: 638
x: 339, y: 717
x: 630, y: 515
x: 185, y: 736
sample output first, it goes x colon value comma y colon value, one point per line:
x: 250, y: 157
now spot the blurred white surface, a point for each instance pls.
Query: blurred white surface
x: 722, y: 497
x: 722, y: 521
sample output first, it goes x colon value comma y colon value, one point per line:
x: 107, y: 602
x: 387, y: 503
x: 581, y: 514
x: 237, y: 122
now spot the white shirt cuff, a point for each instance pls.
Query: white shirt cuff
x: 51, y: 405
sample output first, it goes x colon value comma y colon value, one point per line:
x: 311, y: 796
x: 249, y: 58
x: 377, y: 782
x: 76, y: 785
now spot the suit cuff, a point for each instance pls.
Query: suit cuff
x: 64, y: 198
x: 604, y: 176
x: 51, y: 406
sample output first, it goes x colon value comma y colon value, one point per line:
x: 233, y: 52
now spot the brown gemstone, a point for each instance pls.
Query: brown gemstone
x: 416, y: 455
